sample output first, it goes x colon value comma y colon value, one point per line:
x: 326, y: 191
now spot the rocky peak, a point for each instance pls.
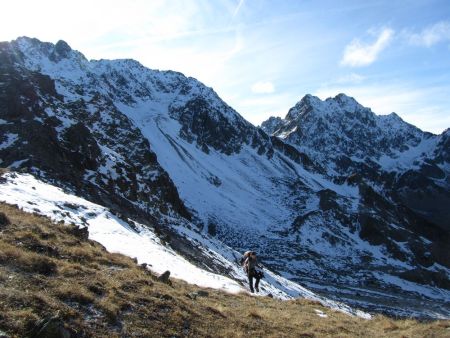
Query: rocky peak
x: 61, y: 50
x: 47, y: 57
x: 61, y: 122
x: 340, y: 127
x: 345, y: 101
x: 311, y: 107
x: 393, y: 116
x: 271, y: 125
x: 306, y: 105
x: 32, y: 47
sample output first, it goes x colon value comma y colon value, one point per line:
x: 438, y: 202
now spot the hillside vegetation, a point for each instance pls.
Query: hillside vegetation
x: 52, y: 273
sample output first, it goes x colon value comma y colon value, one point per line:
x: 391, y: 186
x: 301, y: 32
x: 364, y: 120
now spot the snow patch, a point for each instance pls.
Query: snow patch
x: 10, y: 140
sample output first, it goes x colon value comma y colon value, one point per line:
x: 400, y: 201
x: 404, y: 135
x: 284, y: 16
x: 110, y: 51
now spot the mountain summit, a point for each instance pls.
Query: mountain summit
x: 340, y: 126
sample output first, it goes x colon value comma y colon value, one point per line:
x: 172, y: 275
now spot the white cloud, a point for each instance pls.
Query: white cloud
x: 358, y: 54
x: 431, y: 35
x: 263, y: 87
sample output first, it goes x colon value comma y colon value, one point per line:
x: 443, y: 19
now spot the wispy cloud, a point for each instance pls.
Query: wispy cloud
x: 238, y: 7
x: 431, y: 35
x: 352, y: 78
x: 263, y: 87
x: 358, y: 54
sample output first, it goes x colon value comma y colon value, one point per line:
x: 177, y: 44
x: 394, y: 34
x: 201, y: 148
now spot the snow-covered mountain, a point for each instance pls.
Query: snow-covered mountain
x: 398, y: 159
x: 340, y: 126
x: 321, y: 200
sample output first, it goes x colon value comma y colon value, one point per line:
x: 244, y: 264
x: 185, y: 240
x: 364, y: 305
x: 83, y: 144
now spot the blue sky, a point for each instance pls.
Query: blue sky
x: 262, y: 57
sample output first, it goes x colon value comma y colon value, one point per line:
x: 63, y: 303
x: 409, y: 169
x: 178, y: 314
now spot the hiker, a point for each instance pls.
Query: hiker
x: 250, y: 262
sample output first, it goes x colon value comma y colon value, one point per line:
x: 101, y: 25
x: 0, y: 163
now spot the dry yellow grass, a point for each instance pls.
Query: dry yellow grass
x: 46, y: 270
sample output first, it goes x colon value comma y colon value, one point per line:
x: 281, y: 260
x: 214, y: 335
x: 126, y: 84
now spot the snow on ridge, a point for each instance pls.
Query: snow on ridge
x: 72, y: 69
x: 38, y: 57
x: 350, y: 129
x: 340, y: 103
x: 32, y: 195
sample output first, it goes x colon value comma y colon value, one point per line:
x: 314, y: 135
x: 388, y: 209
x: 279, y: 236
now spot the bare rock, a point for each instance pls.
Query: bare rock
x: 50, y: 328
x: 202, y: 293
x: 164, y: 278
x: 4, y: 220
x: 80, y: 232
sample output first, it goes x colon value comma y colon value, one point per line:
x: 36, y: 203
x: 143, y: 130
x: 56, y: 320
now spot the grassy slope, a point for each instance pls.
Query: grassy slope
x: 46, y: 269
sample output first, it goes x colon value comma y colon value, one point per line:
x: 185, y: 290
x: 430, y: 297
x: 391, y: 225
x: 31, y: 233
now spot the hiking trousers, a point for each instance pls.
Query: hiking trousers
x: 251, y: 274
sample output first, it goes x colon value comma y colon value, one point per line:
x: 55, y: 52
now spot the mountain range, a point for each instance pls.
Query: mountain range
x: 351, y: 205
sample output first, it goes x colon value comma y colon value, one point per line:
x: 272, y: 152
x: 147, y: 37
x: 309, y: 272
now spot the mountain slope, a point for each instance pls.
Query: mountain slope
x: 148, y: 246
x: 86, y: 291
x: 162, y: 148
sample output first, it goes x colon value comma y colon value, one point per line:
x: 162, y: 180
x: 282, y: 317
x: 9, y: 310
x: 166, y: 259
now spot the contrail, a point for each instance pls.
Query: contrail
x: 237, y: 8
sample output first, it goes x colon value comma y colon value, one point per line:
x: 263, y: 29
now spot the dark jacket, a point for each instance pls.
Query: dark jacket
x: 250, y: 264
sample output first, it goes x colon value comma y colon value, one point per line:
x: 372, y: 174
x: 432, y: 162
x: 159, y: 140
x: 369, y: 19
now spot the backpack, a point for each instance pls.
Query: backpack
x: 244, y: 257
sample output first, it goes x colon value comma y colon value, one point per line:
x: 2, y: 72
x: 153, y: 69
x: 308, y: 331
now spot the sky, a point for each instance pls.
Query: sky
x: 263, y: 56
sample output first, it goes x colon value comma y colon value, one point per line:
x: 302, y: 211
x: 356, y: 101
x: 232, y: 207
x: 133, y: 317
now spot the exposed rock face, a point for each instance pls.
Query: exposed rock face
x: 332, y: 196
x: 211, y: 126
x: 86, y: 144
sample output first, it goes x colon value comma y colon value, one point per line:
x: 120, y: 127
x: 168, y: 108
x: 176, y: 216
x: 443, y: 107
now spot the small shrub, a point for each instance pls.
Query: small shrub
x: 97, y: 288
x: 215, y: 312
x: 110, y: 309
x: 254, y: 315
x: 41, y: 265
x: 80, y: 254
x: 74, y: 292
x: 33, y: 243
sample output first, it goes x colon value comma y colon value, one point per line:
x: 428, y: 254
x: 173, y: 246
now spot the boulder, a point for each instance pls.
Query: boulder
x: 200, y: 293
x: 164, y: 278
x: 80, y: 232
x: 4, y: 220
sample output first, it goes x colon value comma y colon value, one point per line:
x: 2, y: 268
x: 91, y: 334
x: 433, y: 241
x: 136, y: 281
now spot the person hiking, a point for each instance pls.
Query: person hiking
x: 250, y: 264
